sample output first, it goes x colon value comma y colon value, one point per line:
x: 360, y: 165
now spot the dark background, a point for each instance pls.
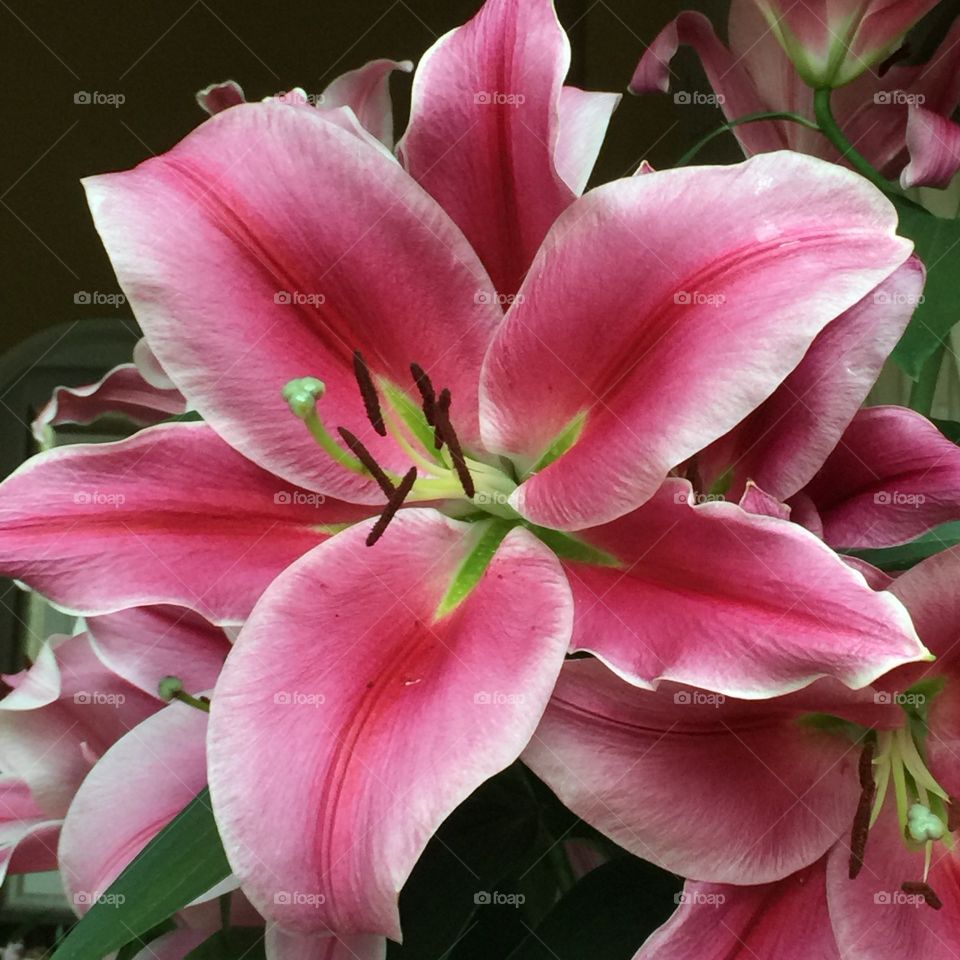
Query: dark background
x: 158, y: 54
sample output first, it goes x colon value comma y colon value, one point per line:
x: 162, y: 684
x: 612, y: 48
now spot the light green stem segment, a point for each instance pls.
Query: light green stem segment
x: 489, y: 534
x: 747, y: 118
x: 831, y: 130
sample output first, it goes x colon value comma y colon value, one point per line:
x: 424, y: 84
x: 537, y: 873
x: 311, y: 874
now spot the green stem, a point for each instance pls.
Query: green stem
x: 747, y: 118
x: 194, y: 702
x: 922, y: 392
x: 831, y: 130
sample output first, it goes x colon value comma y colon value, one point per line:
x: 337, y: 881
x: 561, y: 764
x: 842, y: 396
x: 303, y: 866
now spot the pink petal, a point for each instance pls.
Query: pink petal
x: 171, y: 515
x: 737, y: 93
x: 175, y: 945
x: 123, y: 391
x: 135, y: 789
x: 755, y: 500
x: 483, y: 131
x: 351, y: 718
x: 49, y: 741
x: 730, y: 791
x: 145, y: 644
x: 874, y: 918
x: 738, y: 280
x: 366, y: 91
x: 220, y: 96
x: 33, y: 850
x: 787, y: 920
x: 246, y: 273
x: 783, y: 443
x: 746, y: 605
x: 286, y: 945
x: 584, y: 117
x: 934, y: 145
x: 892, y: 476
x: 149, y: 366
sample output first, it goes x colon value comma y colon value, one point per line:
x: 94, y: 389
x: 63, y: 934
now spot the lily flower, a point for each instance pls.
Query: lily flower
x: 786, y: 810
x: 411, y: 497
x: 898, y: 118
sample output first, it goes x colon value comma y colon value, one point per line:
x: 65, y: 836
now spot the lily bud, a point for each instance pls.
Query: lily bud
x: 831, y: 42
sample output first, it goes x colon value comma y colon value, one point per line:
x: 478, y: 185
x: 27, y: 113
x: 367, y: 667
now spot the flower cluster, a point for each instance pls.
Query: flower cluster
x: 444, y: 461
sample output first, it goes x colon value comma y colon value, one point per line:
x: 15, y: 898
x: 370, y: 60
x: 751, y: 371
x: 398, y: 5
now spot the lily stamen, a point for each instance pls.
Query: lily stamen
x: 384, y: 481
x: 393, y: 505
x: 371, y: 401
x: 924, y: 889
x: 861, y: 821
x: 427, y: 394
x: 448, y: 434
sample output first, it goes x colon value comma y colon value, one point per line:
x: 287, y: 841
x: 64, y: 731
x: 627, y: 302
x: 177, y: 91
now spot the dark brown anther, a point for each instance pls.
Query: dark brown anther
x: 425, y: 386
x: 393, y: 505
x: 369, y: 393
x: 924, y: 890
x: 449, y: 436
x: 366, y: 458
x: 953, y: 815
x: 861, y: 820
x: 441, y: 416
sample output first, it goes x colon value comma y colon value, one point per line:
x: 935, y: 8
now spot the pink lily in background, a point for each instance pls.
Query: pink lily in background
x: 519, y: 455
x: 899, y: 119
x: 814, y: 825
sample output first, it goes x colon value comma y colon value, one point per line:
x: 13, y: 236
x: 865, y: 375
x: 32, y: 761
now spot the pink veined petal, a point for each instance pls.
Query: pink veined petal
x: 220, y: 96
x: 873, y: 918
x: 145, y: 644
x: 149, y: 366
x: 51, y: 742
x: 758, y: 501
x: 287, y: 945
x: 352, y: 717
x: 584, y: 117
x: 366, y: 91
x: 783, y: 443
x: 735, y: 290
x: 891, y: 477
x: 174, y: 945
x: 16, y: 801
x: 875, y: 577
x: 483, y: 131
x: 731, y: 791
x: 883, y: 23
x: 139, y: 785
x: 749, y: 606
x: 123, y: 391
x: 934, y: 145
x: 28, y: 847
x: 171, y: 515
x: 738, y: 93
x: 787, y: 920
x: 271, y: 244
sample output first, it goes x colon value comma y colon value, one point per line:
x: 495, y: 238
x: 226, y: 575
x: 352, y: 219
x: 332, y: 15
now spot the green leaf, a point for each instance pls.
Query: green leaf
x: 234, y: 943
x: 606, y: 916
x: 938, y: 246
x: 949, y: 428
x: 908, y: 554
x: 183, y: 861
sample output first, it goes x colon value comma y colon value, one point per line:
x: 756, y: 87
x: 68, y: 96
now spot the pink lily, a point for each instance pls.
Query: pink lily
x: 360, y: 674
x: 898, y: 119
x: 773, y: 793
